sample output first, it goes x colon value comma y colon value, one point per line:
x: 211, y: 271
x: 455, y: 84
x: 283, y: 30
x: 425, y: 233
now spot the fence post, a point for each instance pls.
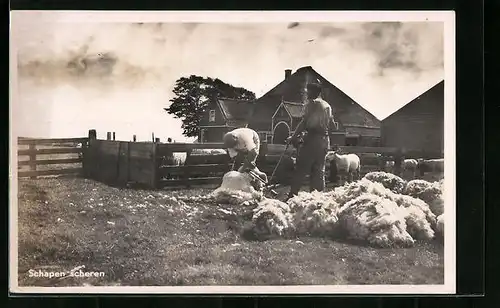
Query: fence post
x: 398, y: 160
x: 382, y: 162
x: 188, y: 171
x: 92, y: 134
x: 153, y: 137
x: 333, y: 172
x: 32, y: 156
x: 134, y: 138
x: 157, y: 140
x: 108, y: 136
x: 155, y: 172
x: 264, y: 149
x: 86, y: 157
x: 113, y: 136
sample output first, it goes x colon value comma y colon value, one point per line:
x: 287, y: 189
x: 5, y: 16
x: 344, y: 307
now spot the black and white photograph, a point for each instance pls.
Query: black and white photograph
x: 297, y: 152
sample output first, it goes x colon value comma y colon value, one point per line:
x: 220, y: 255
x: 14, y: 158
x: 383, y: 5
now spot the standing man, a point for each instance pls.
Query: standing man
x: 316, y: 123
x: 243, y: 144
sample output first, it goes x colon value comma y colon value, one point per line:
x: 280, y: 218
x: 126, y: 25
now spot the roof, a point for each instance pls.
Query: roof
x: 296, y: 110
x: 235, y: 111
x: 437, y: 87
x: 350, y: 112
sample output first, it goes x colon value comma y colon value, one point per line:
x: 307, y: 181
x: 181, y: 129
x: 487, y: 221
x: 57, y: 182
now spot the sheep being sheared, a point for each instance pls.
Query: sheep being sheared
x: 236, y: 188
x: 348, y: 165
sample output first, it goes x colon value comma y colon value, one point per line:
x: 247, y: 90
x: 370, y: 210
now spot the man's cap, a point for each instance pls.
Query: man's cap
x: 315, y: 83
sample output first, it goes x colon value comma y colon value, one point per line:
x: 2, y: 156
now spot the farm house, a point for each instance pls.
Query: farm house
x: 223, y: 115
x: 419, y: 124
x: 276, y: 114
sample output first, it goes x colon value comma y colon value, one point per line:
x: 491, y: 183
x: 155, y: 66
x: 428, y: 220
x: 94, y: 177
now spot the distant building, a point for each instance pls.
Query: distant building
x: 277, y: 113
x: 419, y: 125
x: 223, y: 115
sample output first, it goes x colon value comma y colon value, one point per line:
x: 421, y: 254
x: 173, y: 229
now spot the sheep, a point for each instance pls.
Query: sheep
x: 176, y: 159
x: 430, y: 165
x: 410, y: 165
x: 389, y: 165
x: 348, y: 165
x: 208, y: 152
x: 80, y: 146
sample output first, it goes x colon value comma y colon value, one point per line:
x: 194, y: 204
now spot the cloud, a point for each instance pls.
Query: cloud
x: 411, y: 47
x: 328, y: 31
x: 380, y: 65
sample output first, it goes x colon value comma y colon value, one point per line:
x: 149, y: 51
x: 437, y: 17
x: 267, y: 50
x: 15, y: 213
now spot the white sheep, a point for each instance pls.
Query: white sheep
x: 176, y: 159
x: 348, y: 165
x: 208, y: 152
x: 431, y: 165
x: 389, y: 166
x: 410, y: 165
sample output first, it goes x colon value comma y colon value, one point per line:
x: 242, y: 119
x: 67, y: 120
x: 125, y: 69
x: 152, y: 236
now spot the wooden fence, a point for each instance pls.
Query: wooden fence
x: 44, y: 157
x: 151, y: 164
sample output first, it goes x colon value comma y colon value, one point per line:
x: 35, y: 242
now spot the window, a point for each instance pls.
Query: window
x: 211, y: 116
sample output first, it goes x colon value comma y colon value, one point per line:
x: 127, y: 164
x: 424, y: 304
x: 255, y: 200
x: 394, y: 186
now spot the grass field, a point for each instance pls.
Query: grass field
x: 140, y: 237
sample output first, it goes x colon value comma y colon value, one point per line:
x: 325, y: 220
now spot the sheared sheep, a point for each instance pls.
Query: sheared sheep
x: 389, y: 166
x: 430, y: 165
x: 348, y: 165
x: 410, y: 165
x: 176, y: 159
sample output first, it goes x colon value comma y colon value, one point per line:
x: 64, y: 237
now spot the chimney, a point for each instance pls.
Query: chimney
x: 288, y: 73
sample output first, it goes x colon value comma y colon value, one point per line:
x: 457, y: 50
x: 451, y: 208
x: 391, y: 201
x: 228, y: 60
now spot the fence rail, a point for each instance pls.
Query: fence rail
x: 49, y: 151
x: 38, y: 173
x: 58, y: 153
x: 51, y: 161
x: 153, y: 164
x: 28, y: 141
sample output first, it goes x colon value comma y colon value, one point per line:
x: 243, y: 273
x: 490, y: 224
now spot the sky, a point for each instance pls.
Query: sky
x: 63, y: 89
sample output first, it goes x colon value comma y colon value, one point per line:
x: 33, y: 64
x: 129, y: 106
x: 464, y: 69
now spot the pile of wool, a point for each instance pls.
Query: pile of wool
x: 440, y: 225
x: 350, y: 191
x: 389, y: 180
x: 271, y: 217
x: 313, y: 213
x: 430, y: 192
x: 236, y: 188
x: 419, y: 218
x: 377, y: 220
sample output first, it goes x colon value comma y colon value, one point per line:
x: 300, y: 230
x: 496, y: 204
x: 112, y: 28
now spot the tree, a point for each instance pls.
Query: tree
x: 192, y: 95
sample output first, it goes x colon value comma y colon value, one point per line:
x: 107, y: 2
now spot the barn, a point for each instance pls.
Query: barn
x: 419, y: 125
x: 276, y: 114
x: 223, y: 115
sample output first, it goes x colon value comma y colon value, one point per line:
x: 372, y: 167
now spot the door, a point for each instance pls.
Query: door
x: 281, y: 133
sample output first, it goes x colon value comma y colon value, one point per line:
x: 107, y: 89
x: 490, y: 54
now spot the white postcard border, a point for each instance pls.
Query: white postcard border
x: 447, y: 17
